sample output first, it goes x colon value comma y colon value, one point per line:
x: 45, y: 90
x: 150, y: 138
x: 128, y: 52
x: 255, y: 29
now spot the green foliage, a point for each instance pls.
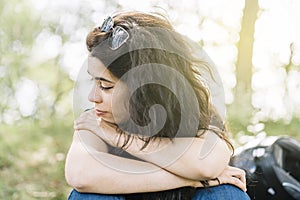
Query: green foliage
x: 32, y: 157
x: 282, y: 128
x: 238, y: 125
x: 33, y: 148
x: 20, y: 26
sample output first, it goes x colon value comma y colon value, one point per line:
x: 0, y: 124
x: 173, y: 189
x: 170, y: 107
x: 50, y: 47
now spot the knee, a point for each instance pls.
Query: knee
x: 75, y: 195
x: 225, y: 191
x: 234, y: 192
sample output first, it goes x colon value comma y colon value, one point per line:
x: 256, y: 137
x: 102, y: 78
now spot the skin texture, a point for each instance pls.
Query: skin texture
x: 102, y: 92
x: 88, y: 155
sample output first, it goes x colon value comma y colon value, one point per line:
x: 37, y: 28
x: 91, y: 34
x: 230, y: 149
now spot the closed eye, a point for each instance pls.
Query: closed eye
x: 100, y: 84
x: 98, y: 81
x: 105, y: 88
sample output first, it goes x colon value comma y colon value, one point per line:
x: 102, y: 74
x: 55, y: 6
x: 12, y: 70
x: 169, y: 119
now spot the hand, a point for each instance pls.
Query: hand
x: 105, y: 130
x: 87, y: 121
x: 231, y: 175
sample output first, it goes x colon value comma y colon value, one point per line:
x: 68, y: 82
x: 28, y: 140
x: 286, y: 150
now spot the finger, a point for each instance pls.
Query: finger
x: 237, y: 182
x: 88, y: 109
x: 238, y: 173
x: 91, y: 112
x: 77, y: 122
x: 243, y: 176
x: 83, y: 127
x: 234, y: 169
x: 87, y: 113
x: 233, y: 181
x: 78, y: 126
x: 85, y: 118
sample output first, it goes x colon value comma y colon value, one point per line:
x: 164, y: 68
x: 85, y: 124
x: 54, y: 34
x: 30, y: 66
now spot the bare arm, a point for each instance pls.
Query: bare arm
x: 198, y: 158
x: 90, y: 170
x: 86, y: 171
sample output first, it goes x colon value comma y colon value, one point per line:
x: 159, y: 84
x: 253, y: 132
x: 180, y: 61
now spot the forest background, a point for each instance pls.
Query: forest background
x: 255, y: 45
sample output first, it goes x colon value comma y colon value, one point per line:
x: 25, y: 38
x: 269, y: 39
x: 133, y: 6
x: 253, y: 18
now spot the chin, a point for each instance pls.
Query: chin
x: 109, y: 120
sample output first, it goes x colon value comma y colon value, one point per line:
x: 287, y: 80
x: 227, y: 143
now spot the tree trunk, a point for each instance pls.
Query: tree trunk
x: 244, y: 62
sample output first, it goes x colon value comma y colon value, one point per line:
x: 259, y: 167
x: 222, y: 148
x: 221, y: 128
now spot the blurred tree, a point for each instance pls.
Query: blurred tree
x: 20, y: 28
x: 242, y: 93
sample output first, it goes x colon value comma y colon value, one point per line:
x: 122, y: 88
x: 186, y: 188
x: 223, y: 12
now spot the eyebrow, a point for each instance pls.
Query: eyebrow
x: 100, y: 78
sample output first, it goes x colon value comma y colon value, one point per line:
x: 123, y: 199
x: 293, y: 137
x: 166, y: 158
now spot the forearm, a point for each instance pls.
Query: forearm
x: 94, y: 171
x: 194, y: 158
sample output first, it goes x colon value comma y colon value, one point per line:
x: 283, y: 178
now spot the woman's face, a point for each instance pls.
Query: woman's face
x: 106, y: 90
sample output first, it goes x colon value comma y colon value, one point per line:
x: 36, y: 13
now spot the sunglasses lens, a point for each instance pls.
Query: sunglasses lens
x: 107, y: 24
x: 119, y: 37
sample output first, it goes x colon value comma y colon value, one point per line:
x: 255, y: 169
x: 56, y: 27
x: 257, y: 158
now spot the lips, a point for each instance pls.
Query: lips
x: 100, y: 112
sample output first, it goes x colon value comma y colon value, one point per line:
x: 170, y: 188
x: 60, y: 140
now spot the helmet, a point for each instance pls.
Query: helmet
x: 273, y: 170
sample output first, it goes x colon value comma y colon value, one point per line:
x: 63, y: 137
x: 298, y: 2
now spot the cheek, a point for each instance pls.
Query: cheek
x: 119, y: 104
x: 107, y: 99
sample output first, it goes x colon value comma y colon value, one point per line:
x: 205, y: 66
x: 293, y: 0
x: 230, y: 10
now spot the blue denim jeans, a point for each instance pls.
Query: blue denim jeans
x: 221, y: 192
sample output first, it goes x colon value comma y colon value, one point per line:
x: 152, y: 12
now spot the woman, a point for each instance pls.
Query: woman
x: 153, y: 132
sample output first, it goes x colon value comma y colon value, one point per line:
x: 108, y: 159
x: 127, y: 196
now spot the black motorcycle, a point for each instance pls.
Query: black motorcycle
x: 273, y: 170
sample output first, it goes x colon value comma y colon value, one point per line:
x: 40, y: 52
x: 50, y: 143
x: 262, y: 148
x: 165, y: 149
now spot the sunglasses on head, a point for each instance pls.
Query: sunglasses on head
x: 119, y: 34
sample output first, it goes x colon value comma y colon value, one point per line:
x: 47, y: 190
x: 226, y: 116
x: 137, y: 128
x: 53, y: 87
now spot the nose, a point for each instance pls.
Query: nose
x: 95, y: 95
